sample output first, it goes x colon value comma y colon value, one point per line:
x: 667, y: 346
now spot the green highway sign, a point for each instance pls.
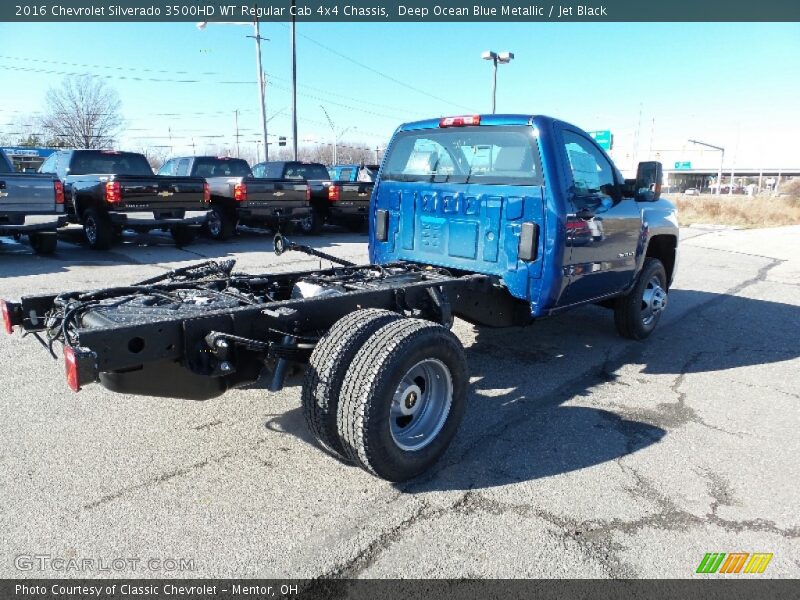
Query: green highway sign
x: 683, y: 165
x: 604, y: 138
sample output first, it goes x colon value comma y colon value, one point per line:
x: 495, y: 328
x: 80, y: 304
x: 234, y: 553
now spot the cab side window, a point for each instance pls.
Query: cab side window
x: 168, y: 168
x: 592, y: 173
x: 183, y: 167
x: 49, y: 166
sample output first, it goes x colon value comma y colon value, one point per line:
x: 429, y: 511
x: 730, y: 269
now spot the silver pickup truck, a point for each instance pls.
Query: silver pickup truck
x: 32, y: 205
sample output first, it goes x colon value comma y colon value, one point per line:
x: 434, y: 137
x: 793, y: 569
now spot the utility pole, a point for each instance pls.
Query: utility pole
x: 294, y: 84
x: 261, y: 90
x: 377, y: 156
x: 236, y: 120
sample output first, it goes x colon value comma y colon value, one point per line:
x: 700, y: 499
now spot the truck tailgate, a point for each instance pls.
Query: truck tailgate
x: 160, y: 192
x: 27, y: 192
x: 265, y: 193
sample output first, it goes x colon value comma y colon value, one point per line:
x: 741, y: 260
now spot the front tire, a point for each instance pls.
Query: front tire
x: 637, y: 313
x: 43, y: 243
x: 403, y: 398
x: 97, y: 229
x: 327, y: 367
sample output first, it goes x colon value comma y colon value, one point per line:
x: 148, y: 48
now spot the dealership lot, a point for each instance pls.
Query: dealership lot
x: 581, y: 454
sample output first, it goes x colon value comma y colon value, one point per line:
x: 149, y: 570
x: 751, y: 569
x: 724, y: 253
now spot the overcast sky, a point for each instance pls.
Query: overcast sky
x: 735, y: 85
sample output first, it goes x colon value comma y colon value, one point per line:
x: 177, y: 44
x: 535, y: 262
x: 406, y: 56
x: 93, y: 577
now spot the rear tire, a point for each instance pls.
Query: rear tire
x: 221, y: 224
x: 313, y: 223
x: 183, y: 236
x: 327, y: 367
x: 43, y: 243
x: 637, y: 313
x: 403, y: 398
x: 97, y: 229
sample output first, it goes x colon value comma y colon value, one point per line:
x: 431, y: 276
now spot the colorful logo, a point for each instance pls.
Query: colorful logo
x: 734, y: 562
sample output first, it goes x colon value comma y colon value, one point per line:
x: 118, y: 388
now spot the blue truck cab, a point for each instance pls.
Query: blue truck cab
x: 533, y: 202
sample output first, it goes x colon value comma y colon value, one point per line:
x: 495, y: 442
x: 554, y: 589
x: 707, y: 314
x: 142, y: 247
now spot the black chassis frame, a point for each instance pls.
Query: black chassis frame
x: 200, y: 357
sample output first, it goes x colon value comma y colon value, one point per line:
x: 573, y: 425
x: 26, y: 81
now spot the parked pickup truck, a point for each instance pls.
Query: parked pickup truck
x: 496, y: 219
x: 108, y: 191
x: 238, y: 197
x: 331, y: 201
x: 31, y: 205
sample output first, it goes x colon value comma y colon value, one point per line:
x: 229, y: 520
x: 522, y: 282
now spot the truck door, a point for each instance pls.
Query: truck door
x: 602, y: 227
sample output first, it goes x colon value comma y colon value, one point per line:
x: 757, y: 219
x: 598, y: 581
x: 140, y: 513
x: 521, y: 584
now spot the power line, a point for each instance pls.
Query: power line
x: 377, y: 72
x: 164, y: 71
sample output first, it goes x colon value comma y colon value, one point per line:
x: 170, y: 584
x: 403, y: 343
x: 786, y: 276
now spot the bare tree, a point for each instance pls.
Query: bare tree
x: 83, y: 112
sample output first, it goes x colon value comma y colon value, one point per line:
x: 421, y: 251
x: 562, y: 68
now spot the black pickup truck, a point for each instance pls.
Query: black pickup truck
x: 31, y: 205
x: 335, y: 202
x: 238, y: 197
x: 108, y: 191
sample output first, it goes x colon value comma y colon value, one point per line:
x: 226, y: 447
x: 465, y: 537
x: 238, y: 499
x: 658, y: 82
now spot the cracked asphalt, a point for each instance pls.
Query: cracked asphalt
x: 581, y: 454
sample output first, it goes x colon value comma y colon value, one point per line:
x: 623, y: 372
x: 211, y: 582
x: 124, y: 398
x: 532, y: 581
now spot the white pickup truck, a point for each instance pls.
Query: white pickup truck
x: 31, y: 204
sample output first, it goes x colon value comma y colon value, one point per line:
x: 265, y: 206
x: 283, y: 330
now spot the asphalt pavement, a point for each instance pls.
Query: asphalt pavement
x: 581, y: 454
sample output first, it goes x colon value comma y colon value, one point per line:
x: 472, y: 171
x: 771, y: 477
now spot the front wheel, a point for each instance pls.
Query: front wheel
x: 637, y: 313
x: 312, y: 224
x: 43, y: 243
x: 403, y: 398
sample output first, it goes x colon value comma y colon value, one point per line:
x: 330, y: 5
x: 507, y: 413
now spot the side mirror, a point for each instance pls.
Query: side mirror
x: 649, y: 176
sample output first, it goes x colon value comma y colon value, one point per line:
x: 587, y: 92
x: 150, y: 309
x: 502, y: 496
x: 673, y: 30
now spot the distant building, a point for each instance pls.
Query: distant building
x: 23, y: 157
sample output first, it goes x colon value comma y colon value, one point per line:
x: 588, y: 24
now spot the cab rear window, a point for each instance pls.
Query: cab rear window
x: 484, y: 155
x: 109, y: 163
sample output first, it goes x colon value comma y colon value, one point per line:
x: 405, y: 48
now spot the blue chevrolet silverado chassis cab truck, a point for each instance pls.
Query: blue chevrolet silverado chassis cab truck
x: 495, y: 219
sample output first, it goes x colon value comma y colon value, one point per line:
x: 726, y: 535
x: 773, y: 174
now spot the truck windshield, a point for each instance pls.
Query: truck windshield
x: 109, y: 163
x: 221, y: 167
x: 306, y: 171
x: 481, y: 154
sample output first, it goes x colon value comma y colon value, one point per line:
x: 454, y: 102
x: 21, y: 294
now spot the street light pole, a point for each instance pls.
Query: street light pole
x: 502, y: 58
x: 721, y: 160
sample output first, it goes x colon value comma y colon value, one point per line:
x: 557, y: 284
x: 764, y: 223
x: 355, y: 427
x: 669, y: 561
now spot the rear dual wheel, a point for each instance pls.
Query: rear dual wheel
x: 386, y: 393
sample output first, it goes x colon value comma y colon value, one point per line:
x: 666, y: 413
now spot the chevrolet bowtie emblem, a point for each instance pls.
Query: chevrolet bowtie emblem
x: 278, y: 194
x: 165, y: 193
x: 3, y: 194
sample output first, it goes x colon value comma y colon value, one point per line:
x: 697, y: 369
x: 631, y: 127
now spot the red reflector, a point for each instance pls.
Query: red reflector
x: 333, y: 193
x: 59, y: 188
x: 6, y: 317
x: 206, y: 192
x: 113, y: 191
x: 71, y: 369
x: 240, y: 192
x: 460, y: 121
x: 308, y: 193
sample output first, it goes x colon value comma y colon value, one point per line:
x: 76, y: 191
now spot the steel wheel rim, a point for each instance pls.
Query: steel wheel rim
x: 654, y: 301
x: 214, y: 223
x: 306, y: 223
x: 421, y: 404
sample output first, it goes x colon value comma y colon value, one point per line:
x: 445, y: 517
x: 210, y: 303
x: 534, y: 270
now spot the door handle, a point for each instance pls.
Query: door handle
x: 585, y: 213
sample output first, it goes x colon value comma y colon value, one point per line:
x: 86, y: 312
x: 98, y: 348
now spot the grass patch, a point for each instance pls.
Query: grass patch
x: 738, y: 211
